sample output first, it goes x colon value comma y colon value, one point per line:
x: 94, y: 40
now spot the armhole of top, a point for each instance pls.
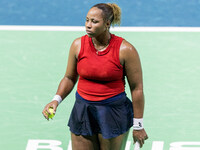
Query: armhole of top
x: 82, y: 47
x: 118, y: 52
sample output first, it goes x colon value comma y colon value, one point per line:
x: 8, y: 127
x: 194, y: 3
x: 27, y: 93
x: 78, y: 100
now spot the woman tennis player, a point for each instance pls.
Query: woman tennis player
x: 102, y: 114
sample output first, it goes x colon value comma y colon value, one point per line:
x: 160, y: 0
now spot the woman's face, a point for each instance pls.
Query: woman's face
x: 95, y: 24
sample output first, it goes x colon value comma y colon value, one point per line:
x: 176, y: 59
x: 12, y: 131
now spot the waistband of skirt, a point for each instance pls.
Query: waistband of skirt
x: 106, y: 101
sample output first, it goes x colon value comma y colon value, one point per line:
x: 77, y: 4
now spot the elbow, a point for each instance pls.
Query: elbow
x: 72, y: 79
x: 138, y: 90
x: 138, y: 96
x: 137, y: 87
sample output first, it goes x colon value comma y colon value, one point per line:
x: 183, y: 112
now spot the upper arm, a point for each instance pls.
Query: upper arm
x: 71, y: 71
x: 131, y: 62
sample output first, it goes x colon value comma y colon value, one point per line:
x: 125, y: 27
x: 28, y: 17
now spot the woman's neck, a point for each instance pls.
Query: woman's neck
x: 102, y: 41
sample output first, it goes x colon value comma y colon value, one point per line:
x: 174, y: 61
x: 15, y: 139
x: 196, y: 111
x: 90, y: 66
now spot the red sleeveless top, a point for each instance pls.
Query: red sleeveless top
x: 100, y: 73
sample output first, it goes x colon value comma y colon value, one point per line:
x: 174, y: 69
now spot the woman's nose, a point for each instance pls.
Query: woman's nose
x: 88, y: 24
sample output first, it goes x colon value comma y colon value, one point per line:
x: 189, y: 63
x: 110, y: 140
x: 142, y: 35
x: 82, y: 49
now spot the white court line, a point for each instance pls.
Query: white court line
x: 128, y: 145
x: 82, y: 28
x: 157, y: 145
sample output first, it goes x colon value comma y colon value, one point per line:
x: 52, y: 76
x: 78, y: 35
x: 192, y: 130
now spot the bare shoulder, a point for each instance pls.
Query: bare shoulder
x: 76, y: 46
x: 127, y: 51
x: 76, y: 43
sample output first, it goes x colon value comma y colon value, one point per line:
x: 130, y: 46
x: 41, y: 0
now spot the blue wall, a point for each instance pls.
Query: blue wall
x: 73, y: 12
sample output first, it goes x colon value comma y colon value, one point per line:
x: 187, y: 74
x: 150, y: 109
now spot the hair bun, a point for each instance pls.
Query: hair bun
x: 116, y: 12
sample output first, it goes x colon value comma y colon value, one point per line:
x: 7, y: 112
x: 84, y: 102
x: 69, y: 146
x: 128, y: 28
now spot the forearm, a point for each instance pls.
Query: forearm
x: 138, y: 103
x: 65, y: 87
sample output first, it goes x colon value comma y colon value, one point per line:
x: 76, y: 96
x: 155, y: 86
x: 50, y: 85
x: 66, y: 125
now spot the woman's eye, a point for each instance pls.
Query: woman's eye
x: 94, y: 21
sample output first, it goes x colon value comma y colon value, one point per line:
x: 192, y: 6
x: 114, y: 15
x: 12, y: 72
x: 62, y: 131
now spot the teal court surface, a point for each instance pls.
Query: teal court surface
x: 32, y: 63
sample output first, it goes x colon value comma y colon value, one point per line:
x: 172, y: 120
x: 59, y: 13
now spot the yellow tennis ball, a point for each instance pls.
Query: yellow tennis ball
x: 52, y: 113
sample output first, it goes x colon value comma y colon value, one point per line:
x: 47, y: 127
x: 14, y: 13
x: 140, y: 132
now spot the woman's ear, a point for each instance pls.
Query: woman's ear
x: 108, y: 23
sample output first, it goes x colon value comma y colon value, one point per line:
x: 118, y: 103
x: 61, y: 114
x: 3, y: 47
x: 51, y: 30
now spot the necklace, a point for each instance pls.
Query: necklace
x: 102, y: 48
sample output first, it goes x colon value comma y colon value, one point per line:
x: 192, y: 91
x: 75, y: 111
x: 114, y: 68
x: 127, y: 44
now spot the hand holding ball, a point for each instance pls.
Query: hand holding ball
x: 51, y: 115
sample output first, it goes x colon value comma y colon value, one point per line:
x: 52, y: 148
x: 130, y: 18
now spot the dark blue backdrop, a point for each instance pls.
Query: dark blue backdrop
x: 73, y: 12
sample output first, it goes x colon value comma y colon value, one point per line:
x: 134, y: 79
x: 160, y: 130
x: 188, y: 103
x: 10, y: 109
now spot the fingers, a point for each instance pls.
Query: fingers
x: 45, y: 114
x: 140, y: 136
x: 46, y: 111
x: 146, y: 137
x: 135, y: 140
x: 140, y: 140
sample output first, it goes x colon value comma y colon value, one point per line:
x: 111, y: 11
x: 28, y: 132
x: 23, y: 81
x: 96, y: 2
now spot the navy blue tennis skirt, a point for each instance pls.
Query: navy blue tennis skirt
x: 111, y: 117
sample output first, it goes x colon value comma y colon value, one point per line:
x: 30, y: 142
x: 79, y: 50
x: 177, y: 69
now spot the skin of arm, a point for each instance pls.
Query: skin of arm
x: 129, y: 58
x: 70, y: 78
